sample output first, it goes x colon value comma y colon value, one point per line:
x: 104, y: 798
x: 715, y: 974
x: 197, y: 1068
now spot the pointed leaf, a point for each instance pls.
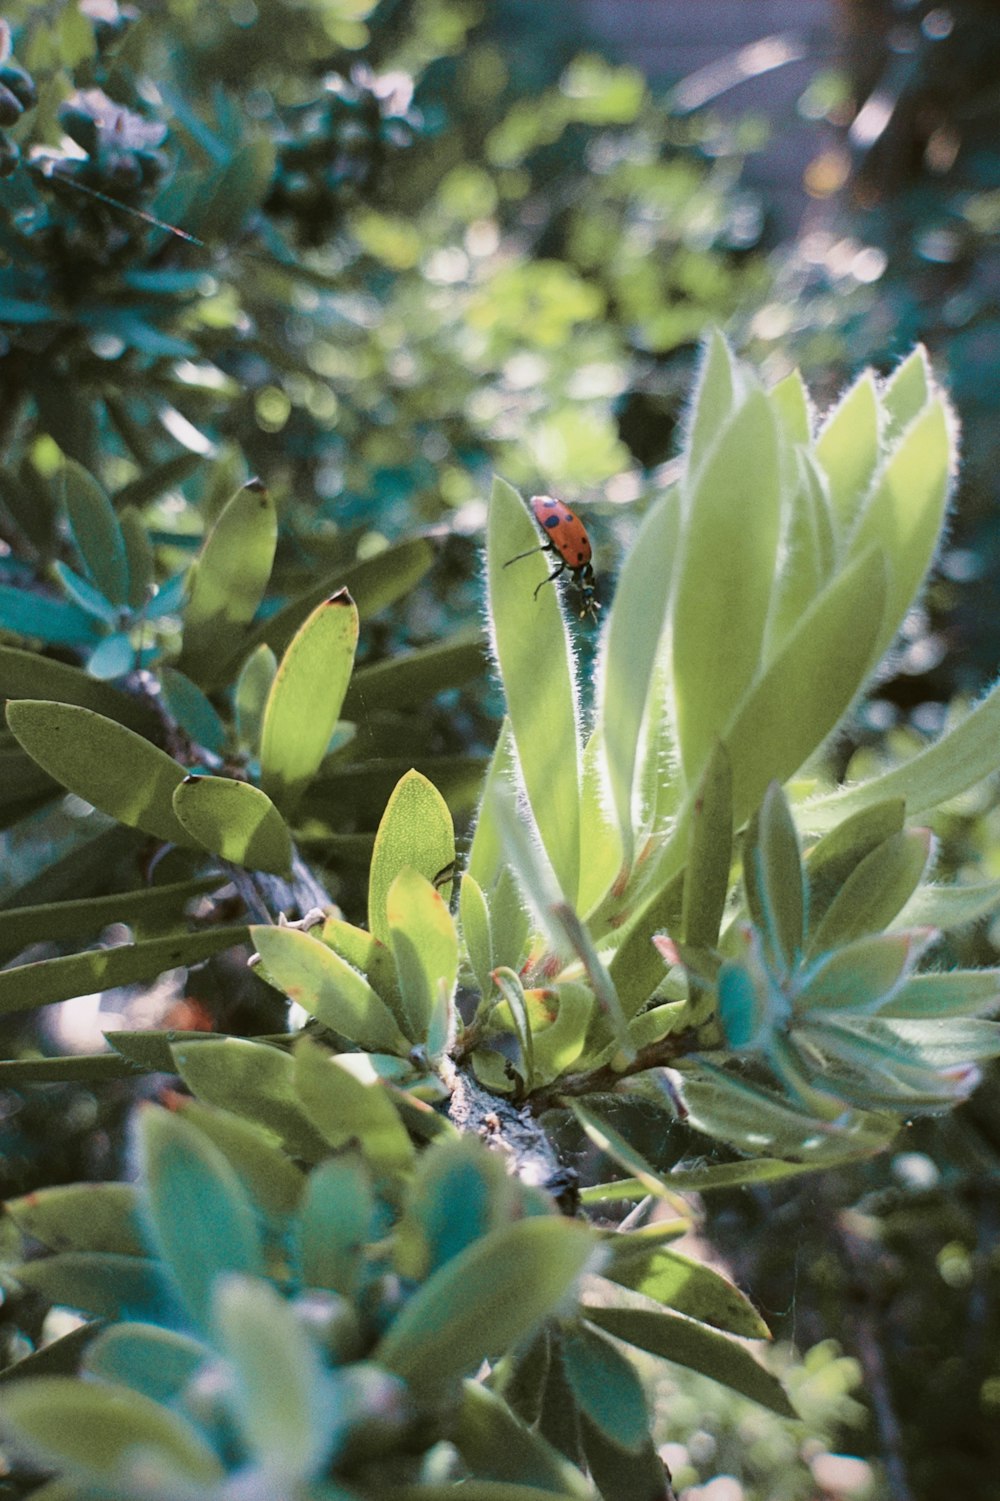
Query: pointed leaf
x: 905, y: 513
x: 726, y: 572
x: 772, y: 875
x: 139, y: 553
x: 415, y: 830
x: 414, y: 677
x: 96, y: 532
x: 832, y: 858
x: 715, y: 398
x: 875, y: 891
x: 906, y: 392
x: 631, y: 643
x: 496, y: 1445
x: 305, y: 699
x: 85, y: 595
x: 81, y: 1217
x: 956, y: 993
x: 254, y: 1081
x: 229, y: 579
x: 848, y: 447
x: 688, y: 1287
x: 699, y: 1349
x: 863, y: 975
x: 477, y: 936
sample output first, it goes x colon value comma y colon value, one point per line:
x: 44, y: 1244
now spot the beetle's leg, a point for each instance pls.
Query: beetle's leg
x: 554, y: 575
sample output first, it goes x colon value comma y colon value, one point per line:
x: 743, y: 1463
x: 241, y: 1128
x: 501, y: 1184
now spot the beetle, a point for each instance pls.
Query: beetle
x: 568, y: 542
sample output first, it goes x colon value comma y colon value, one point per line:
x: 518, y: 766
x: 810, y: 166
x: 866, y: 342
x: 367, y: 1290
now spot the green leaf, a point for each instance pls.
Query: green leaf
x: 253, y: 1080
x: 252, y: 688
x: 85, y: 595
x: 365, y: 953
x: 832, y: 858
x: 726, y: 575
x: 81, y: 1217
x: 532, y: 648
x: 484, y: 1300
x: 139, y: 553
x: 115, y: 657
x: 906, y: 392
x: 791, y: 404
x: 685, y: 1286
x: 756, y: 1120
x: 623, y: 1475
x: 486, y: 855
x: 607, y: 1390
x: 477, y: 935
x: 194, y: 712
x: 848, y: 447
x: 235, y: 821
x: 27, y: 674
x: 146, y: 907
x: 710, y: 853
x: 954, y: 763
x: 699, y: 1349
x: 47, y: 980
x: 957, y: 992
x: 252, y: 1150
x: 630, y: 647
x: 772, y: 876
x: 102, y: 762
x: 876, y: 890
x: 863, y: 975
x: 158, y: 1363
x: 305, y: 699
x: 414, y: 677
x: 104, y: 1285
x: 199, y: 1213
x: 57, y: 622
x: 372, y: 584
x: 281, y: 1395
x: 947, y: 907
x: 614, y: 1144
x: 416, y: 830
x: 326, y: 986
x: 806, y: 688
x: 460, y: 1191
x: 905, y: 513
x: 715, y: 397
x: 497, y: 1446
x: 809, y: 550
x: 424, y: 945
x: 96, y: 532
x: 334, y: 1224
x: 228, y: 580
x: 101, y: 1430
x: 347, y: 1103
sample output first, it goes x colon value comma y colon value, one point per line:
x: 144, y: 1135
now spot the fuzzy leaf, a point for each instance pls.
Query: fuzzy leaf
x: 875, y: 891
x: 848, y: 447
x: 532, y: 648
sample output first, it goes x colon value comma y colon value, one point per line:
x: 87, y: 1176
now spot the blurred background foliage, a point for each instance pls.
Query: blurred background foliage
x: 374, y: 252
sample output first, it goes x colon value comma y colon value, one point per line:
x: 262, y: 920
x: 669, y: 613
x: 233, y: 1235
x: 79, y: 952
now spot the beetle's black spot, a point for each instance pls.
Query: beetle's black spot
x: 550, y: 522
x: 581, y: 557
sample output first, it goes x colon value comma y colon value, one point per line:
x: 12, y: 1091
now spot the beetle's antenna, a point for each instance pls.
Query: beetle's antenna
x: 529, y: 554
